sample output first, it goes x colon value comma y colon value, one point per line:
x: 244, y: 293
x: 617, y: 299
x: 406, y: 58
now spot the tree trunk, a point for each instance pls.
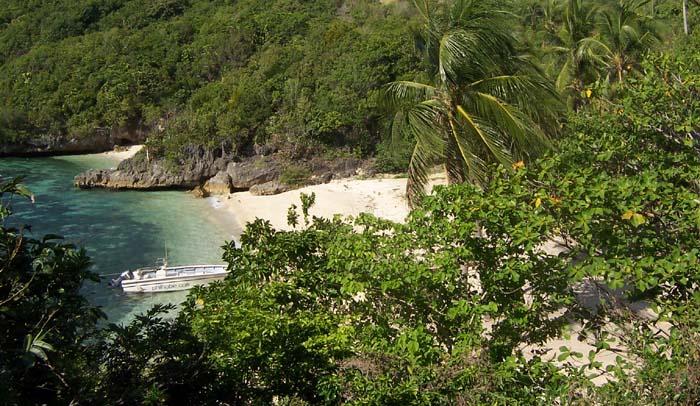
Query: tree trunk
x: 685, y: 17
x: 619, y: 73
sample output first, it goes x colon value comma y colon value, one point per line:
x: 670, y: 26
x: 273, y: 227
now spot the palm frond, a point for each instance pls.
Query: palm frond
x: 459, y: 51
x: 396, y: 126
x: 565, y: 76
x: 491, y: 138
x: 423, y: 7
x: 466, y: 157
x: 467, y: 54
x: 522, y: 89
x: 593, y: 50
x: 527, y: 138
x: 506, y: 86
x: 424, y: 122
x: 400, y: 94
x: 528, y: 91
x: 648, y: 40
x: 423, y: 159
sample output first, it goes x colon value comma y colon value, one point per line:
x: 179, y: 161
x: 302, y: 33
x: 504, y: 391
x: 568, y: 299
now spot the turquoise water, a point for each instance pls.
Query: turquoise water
x: 120, y: 230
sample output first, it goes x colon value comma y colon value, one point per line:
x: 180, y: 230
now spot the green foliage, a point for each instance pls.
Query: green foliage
x: 674, y: 78
x: 393, y: 156
x: 152, y: 360
x: 636, y: 229
x: 582, y: 42
x: 44, y: 318
x: 386, y: 315
x: 438, y: 310
x: 450, y: 306
x: 199, y: 72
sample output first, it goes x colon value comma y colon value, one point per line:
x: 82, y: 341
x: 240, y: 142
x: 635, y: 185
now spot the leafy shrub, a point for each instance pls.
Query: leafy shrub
x: 44, y: 318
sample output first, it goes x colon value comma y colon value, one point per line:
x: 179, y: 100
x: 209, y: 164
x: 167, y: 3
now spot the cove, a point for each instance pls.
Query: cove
x: 120, y: 230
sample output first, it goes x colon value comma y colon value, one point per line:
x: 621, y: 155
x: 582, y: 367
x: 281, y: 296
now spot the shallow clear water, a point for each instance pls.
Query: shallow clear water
x: 120, y: 230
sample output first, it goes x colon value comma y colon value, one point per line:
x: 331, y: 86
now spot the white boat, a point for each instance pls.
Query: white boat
x: 167, y: 279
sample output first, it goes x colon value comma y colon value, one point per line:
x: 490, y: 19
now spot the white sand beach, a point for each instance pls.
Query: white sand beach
x: 121, y: 153
x: 383, y: 197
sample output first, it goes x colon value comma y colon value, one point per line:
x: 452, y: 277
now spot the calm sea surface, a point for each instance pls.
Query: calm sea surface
x: 119, y: 230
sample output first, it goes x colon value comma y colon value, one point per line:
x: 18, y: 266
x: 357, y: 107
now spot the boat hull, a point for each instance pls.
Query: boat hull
x: 169, y: 286
x: 152, y: 280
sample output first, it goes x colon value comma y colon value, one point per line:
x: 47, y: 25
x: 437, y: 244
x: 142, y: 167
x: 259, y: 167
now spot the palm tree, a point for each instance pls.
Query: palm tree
x: 540, y: 16
x: 541, y: 22
x: 626, y: 32
x: 576, y: 63
x: 686, y: 26
x: 481, y: 101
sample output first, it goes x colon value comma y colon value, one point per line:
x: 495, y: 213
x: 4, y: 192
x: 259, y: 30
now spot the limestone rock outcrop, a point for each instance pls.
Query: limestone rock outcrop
x: 100, y: 141
x: 269, y: 188
x: 141, y: 173
x: 253, y: 171
x: 220, y: 184
x: 207, y: 173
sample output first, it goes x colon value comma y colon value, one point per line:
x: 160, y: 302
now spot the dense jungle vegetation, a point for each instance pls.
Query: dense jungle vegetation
x: 213, y: 73
x: 558, y: 121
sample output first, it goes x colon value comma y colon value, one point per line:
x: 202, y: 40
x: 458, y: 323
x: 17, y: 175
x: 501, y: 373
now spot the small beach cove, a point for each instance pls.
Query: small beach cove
x: 119, y: 230
x: 123, y: 230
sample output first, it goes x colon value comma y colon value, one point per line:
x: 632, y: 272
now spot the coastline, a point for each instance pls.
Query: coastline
x: 122, y: 153
x: 213, y: 213
x: 382, y: 196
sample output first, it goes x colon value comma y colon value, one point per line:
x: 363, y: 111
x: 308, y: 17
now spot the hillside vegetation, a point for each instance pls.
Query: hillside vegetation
x: 213, y: 73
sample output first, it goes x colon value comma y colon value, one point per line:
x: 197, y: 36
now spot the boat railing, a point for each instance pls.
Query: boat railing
x: 197, y: 266
x: 152, y: 273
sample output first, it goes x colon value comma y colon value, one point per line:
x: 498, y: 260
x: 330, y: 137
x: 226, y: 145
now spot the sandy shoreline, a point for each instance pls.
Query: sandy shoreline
x: 383, y: 197
x: 122, y: 153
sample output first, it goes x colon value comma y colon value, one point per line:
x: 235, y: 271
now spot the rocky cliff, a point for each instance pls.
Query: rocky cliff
x: 100, y: 141
x: 210, y: 174
x: 142, y: 173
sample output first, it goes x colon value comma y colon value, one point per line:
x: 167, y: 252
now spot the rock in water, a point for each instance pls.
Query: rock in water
x: 217, y: 176
x: 140, y: 173
x: 99, y: 141
x: 220, y: 184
